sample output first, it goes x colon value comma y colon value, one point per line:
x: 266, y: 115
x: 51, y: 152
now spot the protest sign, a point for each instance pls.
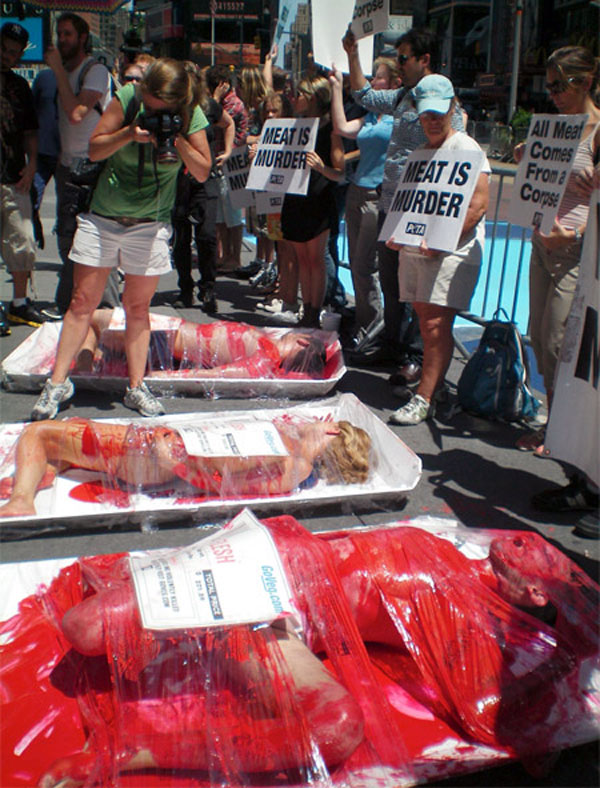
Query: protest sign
x: 544, y: 169
x: 236, y: 169
x: 280, y: 161
x: 269, y: 202
x: 574, y: 425
x: 329, y: 24
x: 432, y: 198
x: 370, y: 17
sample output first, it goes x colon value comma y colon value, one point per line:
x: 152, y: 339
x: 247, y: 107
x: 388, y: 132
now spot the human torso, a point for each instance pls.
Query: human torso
x: 46, y: 105
x: 75, y: 137
x: 573, y: 210
x: 372, y: 140
x: 17, y: 114
x: 118, y: 192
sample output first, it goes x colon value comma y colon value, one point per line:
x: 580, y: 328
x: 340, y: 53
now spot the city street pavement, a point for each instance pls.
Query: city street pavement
x: 471, y: 473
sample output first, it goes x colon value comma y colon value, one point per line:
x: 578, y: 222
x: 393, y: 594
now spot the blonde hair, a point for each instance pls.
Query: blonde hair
x: 143, y: 60
x: 576, y: 64
x: 252, y: 86
x: 320, y: 89
x: 392, y: 66
x: 169, y: 80
x: 347, y: 457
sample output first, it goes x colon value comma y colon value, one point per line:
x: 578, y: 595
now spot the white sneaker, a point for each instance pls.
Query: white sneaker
x: 275, y: 305
x: 52, y: 397
x: 288, y: 317
x: 416, y: 410
x: 141, y: 399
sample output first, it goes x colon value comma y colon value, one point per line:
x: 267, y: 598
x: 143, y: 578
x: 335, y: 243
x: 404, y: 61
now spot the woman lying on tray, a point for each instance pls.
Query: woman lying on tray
x: 145, y: 457
x: 221, y: 349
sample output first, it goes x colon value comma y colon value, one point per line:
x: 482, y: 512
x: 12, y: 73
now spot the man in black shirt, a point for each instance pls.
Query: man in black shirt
x: 18, y: 159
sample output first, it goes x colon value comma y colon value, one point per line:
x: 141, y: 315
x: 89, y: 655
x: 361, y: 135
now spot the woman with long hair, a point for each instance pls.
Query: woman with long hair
x: 128, y: 224
x: 572, y: 75
x: 306, y: 220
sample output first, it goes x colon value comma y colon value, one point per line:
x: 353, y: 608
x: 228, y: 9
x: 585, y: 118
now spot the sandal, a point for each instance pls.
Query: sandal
x: 533, y: 441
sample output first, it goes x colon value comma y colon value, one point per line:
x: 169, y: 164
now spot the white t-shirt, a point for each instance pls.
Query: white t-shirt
x: 75, y: 137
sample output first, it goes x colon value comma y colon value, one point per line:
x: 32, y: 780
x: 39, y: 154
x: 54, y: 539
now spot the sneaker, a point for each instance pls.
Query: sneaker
x: 266, y: 277
x: 52, y: 312
x: 574, y: 497
x: 415, y: 411
x: 4, y: 326
x: 52, y: 397
x: 249, y: 270
x: 141, y: 399
x: 274, y: 306
x: 26, y: 314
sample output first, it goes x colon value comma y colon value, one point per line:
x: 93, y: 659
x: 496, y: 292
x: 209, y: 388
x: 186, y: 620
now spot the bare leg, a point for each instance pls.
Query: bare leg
x: 235, y: 235
x: 88, y: 286
x: 438, y: 345
x: 20, y: 279
x: 288, y: 272
x: 137, y: 295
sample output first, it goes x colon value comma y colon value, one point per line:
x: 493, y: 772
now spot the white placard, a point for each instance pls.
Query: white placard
x: 330, y: 21
x: 432, y: 198
x: 234, y: 576
x: 544, y: 169
x: 280, y: 161
x: 269, y: 202
x: 236, y: 169
x: 370, y: 17
x: 574, y: 424
x: 231, y: 439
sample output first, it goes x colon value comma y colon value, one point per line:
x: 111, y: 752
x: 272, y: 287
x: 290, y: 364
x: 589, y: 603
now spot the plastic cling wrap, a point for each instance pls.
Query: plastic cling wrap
x: 388, y: 657
x: 217, y: 359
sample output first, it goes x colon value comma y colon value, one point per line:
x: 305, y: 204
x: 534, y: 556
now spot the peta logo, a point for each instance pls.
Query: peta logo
x: 415, y: 228
x: 276, y: 179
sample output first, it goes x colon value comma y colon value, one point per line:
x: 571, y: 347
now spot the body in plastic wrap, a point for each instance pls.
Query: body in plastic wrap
x: 136, y: 457
x: 385, y: 608
x: 223, y: 348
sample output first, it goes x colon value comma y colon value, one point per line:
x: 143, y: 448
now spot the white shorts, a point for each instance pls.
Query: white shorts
x: 445, y: 280
x: 141, y: 250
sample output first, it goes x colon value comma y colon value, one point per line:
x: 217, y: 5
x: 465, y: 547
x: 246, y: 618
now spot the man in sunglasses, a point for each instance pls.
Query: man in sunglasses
x: 417, y: 58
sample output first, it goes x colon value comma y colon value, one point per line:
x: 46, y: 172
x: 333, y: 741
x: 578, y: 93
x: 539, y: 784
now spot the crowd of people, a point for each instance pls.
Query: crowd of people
x: 138, y: 157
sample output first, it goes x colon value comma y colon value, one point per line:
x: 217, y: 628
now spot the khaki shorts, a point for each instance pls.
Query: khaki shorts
x: 139, y: 250
x: 445, y: 280
x: 18, y: 243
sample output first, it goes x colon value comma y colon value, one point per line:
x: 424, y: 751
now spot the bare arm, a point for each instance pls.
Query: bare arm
x: 226, y: 123
x: 195, y: 152
x: 357, y: 78
x: 478, y: 205
x: 268, y: 66
x: 110, y: 135
x: 76, y: 107
x: 335, y: 172
x: 30, y: 143
x: 341, y: 125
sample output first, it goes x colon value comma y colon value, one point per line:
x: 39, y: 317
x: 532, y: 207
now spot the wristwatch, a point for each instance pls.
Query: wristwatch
x: 578, y: 235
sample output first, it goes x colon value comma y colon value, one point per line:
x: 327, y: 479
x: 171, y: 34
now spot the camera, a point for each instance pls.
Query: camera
x: 165, y: 126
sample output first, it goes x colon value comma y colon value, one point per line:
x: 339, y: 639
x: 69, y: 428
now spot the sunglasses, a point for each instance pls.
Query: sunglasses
x: 559, y: 85
x: 402, y: 59
x: 132, y: 79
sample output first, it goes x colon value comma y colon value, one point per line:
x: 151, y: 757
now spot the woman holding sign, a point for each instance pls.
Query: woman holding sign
x: 306, y: 220
x: 572, y: 75
x: 437, y: 283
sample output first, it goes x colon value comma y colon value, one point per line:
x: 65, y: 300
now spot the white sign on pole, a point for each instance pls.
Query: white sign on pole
x: 370, y: 17
x: 236, y: 169
x: 269, y: 202
x: 234, y: 576
x: 329, y: 25
x: 544, y: 169
x: 432, y: 198
x: 280, y: 161
x: 574, y: 424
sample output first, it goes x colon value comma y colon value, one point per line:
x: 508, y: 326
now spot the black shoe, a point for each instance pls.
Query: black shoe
x: 574, y: 497
x: 246, y: 271
x: 589, y: 526
x: 26, y: 314
x: 52, y: 312
x: 408, y: 375
x: 371, y: 357
x: 183, y: 301
x: 208, y: 302
x: 4, y: 325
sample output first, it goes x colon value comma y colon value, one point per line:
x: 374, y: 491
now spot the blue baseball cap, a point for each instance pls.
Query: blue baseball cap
x: 434, y: 93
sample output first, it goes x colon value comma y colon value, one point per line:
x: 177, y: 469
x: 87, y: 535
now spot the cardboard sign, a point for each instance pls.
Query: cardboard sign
x: 269, y: 202
x: 574, y: 424
x: 370, y: 17
x: 432, y: 198
x: 236, y: 170
x: 280, y: 161
x: 330, y: 21
x: 234, y: 576
x: 544, y: 169
x: 231, y: 439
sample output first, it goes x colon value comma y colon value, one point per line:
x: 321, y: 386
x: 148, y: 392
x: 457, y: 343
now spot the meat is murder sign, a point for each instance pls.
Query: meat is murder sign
x: 432, y: 198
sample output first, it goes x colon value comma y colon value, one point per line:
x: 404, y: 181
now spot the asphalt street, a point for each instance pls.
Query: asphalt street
x: 472, y: 473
